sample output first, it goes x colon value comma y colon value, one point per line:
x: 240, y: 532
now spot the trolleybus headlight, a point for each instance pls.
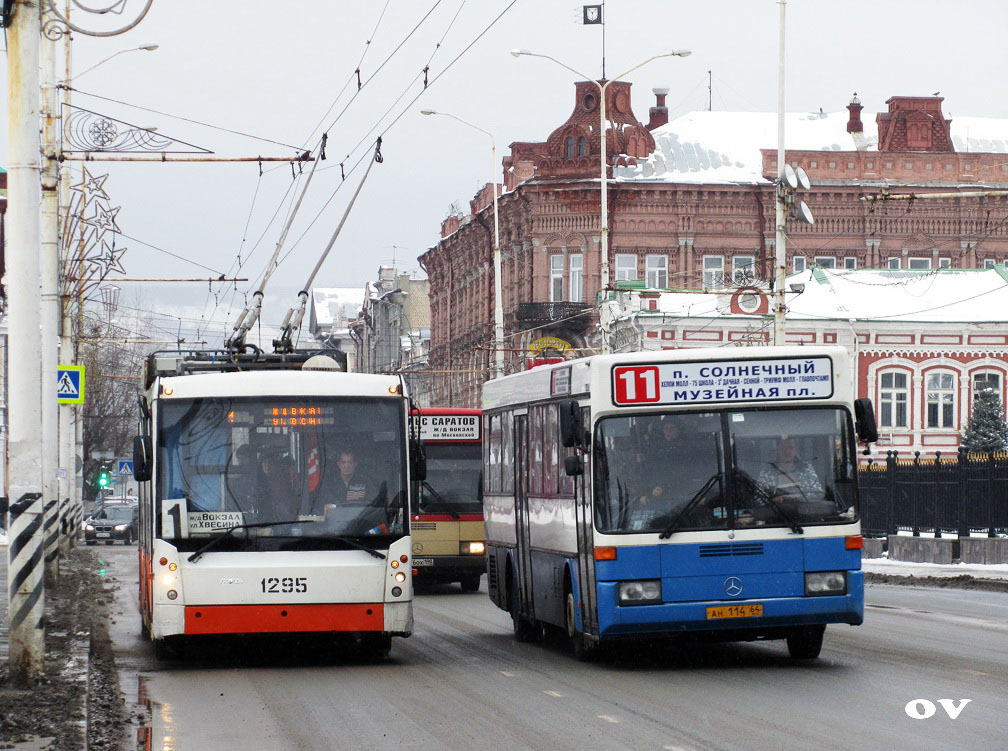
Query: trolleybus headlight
x: 825, y: 583
x: 168, y: 580
x: 396, y: 591
x: 473, y: 548
x: 172, y: 594
x: 644, y: 592
x: 400, y: 577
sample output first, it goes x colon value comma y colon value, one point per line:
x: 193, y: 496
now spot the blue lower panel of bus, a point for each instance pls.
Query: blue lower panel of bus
x: 767, y: 577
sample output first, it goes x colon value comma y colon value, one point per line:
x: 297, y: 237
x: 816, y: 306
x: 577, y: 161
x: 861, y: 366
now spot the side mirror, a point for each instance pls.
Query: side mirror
x: 573, y: 465
x: 142, y: 458
x: 864, y: 421
x: 572, y: 432
x: 418, y: 461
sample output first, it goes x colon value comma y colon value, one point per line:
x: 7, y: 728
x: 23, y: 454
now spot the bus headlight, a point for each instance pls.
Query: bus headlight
x: 826, y: 583
x: 472, y: 548
x: 643, y: 592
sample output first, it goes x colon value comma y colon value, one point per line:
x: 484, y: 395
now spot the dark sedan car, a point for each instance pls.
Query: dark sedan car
x: 111, y: 523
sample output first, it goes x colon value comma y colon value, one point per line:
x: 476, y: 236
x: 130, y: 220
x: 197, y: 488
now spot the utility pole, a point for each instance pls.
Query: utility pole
x: 25, y: 566
x: 50, y: 313
x: 780, y: 245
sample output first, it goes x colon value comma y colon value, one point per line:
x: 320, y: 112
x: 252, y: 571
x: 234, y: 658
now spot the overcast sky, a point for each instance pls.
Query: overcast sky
x: 276, y: 71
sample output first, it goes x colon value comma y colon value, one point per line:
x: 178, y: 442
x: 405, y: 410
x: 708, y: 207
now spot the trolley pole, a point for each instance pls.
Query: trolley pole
x: 25, y: 566
x: 53, y: 508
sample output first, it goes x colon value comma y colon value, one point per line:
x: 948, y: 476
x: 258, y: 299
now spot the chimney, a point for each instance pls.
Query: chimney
x: 658, y: 115
x: 854, y: 123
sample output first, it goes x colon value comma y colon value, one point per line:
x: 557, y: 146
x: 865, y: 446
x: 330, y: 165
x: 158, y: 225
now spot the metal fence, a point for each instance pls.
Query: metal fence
x: 957, y: 494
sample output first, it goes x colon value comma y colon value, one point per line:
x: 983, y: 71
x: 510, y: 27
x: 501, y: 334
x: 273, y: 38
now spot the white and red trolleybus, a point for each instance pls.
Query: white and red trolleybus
x: 273, y: 499
x: 446, y: 520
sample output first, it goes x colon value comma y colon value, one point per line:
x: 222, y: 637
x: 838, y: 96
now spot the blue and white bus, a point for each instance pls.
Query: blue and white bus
x: 695, y: 492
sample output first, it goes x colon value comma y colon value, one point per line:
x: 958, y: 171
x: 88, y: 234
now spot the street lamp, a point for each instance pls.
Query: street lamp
x: 498, y: 294
x: 604, y: 266
x: 143, y: 47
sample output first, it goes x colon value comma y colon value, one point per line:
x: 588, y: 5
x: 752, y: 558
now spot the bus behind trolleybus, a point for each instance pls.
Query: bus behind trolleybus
x: 273, y: 499
x: 692, y: 493
x: 446, y: 520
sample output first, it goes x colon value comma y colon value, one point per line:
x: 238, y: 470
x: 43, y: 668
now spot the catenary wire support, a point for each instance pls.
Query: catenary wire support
x: 236, y: 342
x: 292, y: 321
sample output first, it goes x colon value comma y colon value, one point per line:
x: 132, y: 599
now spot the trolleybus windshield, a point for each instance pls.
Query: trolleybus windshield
x: 726, y: 469
x: 293, y: 471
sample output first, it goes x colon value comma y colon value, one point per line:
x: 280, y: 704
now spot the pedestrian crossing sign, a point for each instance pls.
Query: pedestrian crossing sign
x: 70, y: 384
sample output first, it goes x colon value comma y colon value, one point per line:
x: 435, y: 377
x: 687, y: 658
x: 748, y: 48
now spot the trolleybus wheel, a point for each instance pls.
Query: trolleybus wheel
x: 376, y: 646
x: 582, y: 651
x: 470, y: 583
x: 805, y: 642
x: 167, y: 648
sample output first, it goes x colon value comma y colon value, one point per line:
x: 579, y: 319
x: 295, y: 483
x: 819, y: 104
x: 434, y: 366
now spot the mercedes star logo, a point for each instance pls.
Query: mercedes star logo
x: 733, y: 586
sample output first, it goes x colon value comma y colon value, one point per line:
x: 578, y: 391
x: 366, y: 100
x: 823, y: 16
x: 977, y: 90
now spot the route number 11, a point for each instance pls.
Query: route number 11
x: 635, y: 385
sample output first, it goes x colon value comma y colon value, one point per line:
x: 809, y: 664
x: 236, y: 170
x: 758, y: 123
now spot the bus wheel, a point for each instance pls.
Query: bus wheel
x: 582, y: 651
x: 805, y: 642
x: 524, y: 630
x: 376, y: 646
x: 470, y: 583
x: 167, y: 648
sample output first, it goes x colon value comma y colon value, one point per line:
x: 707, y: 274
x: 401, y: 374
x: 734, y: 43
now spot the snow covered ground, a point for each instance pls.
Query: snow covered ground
x: 907, y: 568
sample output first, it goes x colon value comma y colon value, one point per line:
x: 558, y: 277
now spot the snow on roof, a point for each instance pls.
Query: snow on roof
x: 724, y: 147
x: 336, y: 304
x: 940, y: 295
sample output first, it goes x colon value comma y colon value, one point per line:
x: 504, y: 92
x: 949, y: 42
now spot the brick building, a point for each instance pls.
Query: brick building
x: 691, y: 206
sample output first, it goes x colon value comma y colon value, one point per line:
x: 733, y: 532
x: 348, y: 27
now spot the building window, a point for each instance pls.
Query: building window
x: 569, y: 147
x: 582, y: 146
x: 826, y: 262
x: 850, y: 263
x: 893, y: 398
x: 744, y: 269
x: 713, y: 271
x: 657, y: 271
x: 986, y: 380
x: 940, y: 400
x: 944, y: 263
x: 919, y: 264
x: 989, y: 263
x: 798, y: 263
x: 556, y: 278
x: 626, y: 267
x: 893, y: 263
x: 576, y: 266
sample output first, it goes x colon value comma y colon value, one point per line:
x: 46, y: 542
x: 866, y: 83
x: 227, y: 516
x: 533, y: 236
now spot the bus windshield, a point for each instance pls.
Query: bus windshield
x: 319, y: 468
x: 454, y: 483
x: 726, y: 469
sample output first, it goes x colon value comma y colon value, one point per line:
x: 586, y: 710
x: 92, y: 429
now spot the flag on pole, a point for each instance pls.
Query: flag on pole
x: 592, y: 14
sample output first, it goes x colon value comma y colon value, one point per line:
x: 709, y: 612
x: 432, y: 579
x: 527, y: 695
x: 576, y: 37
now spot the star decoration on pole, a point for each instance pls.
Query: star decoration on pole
x: 91, y: 186
x: 103, y: 219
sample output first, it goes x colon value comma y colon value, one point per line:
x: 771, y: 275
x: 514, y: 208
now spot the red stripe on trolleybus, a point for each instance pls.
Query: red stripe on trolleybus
x: 267, y: 619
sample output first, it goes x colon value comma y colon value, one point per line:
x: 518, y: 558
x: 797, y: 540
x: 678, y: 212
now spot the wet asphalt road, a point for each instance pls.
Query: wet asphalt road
x: 462, y: 682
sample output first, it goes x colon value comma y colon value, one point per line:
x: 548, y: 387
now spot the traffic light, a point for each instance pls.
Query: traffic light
x: 104, y: 477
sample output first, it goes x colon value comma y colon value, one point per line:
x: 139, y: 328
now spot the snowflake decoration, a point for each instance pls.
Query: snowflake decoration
x: 102, y: 133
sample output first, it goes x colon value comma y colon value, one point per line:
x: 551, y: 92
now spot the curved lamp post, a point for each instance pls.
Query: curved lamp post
x: 603, y: 157
x: 143, y: 47
x: 498, y: 295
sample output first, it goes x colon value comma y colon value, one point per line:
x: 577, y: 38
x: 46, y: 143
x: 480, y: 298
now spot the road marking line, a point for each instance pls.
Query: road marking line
x: 675, y: 748
x: 973, y: 672
x: 607, y: 718
x: 509, y: 675
x: 553, y: 693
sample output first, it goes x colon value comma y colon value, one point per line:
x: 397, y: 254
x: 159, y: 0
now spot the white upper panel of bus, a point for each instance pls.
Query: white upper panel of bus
x: 278, y: 383
x: 579, y: 377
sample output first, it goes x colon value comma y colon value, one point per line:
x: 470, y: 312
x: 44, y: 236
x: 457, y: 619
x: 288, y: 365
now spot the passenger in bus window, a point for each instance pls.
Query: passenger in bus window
x: 789, y: 478
x: 279, y: 502
x: 241, y: 477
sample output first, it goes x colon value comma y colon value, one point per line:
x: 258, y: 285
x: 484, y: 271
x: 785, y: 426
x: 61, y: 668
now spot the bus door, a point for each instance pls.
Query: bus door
x: 585, y: 544
x: 521, y: 512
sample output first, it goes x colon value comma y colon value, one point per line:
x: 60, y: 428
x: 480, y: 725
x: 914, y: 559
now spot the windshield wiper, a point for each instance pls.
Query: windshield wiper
x: 438, y: 497
x: 768, y: 503
x: 227, y: 533
x: 693, y: 502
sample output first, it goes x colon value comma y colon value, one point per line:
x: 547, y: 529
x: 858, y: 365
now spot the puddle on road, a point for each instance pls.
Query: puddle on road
x: 157, y: 730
